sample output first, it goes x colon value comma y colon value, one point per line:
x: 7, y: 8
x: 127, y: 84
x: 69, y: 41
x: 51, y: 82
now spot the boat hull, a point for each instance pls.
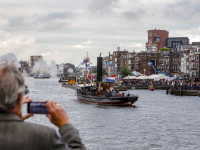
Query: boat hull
x: 63, y: 81
x: 107, y: 101
x: 41, y: 77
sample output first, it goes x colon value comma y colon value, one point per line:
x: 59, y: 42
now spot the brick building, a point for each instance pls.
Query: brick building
x: 135, y: 61
x: 156, y: 40
x: 34, y: 59
x: 119, y: 59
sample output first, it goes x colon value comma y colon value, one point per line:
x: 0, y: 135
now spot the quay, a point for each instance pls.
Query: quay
x: 181, y: 92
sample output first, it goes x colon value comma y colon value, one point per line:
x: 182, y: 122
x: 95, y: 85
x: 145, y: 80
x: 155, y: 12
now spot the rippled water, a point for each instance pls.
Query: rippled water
x: 159, y: 121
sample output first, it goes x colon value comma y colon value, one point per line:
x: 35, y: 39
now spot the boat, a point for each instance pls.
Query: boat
x: 63, y: 80
x: 101, y: 95
x: 151, y: 88
x: 42, y: 76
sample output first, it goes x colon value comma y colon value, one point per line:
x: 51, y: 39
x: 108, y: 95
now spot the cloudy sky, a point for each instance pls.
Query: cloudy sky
x: 65, y: 30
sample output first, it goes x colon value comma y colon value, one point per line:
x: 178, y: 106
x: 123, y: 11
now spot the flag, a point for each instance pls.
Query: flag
x: 110, y: 78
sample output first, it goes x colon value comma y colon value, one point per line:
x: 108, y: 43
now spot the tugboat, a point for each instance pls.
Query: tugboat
x: 42, y: 76
x: 103, y: 93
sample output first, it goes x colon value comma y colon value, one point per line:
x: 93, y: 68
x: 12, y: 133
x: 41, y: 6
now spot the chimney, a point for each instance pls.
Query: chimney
x: 99, y: 69
x: 118, y: 48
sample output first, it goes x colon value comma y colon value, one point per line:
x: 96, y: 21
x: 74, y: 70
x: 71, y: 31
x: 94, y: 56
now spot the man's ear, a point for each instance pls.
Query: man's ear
x: 20, y: 97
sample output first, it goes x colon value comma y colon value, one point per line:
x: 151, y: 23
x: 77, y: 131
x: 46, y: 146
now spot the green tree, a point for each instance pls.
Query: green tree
x: 104, y: 72
x: 125, y: 72
x: 71, y: 66
x: 164, y: 49
x: 66, y: 74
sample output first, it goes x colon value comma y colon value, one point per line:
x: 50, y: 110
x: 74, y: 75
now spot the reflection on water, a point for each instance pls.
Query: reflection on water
x: 159, y: 121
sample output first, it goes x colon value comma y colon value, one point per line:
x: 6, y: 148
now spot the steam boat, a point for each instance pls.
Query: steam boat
x: 42, y: 76
x: 103, y: 94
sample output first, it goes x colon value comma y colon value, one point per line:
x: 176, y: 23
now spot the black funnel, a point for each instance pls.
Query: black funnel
x: 99, y: 69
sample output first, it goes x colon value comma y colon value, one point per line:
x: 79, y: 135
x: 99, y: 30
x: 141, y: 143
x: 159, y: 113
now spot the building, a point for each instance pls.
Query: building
x: 184, y: 66
x: 119, y: 59
x: 174, y: 42
x: 70, y: 70
x: 135, y: 61
x: 194, y: 55
x: 34, y: 59
x: 156, y: 40
x: 24, y: 66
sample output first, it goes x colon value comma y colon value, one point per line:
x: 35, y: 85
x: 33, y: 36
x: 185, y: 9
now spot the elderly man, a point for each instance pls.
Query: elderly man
x: 15, y: 134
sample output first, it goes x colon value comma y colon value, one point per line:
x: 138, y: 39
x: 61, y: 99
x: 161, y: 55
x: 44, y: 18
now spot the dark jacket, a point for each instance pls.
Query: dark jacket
x: 16, y: 134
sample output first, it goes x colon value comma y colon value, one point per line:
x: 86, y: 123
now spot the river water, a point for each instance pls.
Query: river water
x: 159, y: 121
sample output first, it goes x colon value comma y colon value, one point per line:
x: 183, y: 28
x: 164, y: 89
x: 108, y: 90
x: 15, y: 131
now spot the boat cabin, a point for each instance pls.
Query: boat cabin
x: 102, y: 86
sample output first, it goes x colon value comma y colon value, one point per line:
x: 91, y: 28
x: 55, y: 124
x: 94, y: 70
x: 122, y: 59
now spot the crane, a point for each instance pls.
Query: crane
x: 112, y: 63
x: 167, y: 74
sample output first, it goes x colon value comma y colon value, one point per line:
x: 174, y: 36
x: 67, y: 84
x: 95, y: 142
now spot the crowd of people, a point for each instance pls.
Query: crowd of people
x: 185, y: 84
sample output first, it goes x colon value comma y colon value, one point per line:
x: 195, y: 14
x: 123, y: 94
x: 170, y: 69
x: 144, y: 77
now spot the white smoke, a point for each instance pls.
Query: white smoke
x: 10, y: 57
x: 42, y: 66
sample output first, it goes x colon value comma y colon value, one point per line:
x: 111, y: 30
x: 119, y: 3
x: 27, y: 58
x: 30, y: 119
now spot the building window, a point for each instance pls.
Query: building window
x: 144, y: 58
x: 136, y: 65
x: 130, y: 61
x: 197, y: 66
x: 197, y: 58
x: 110, y: 57
x: 117, y: 54
x: 144, y: 63
x: 175, y: 68
x: 136, y: 58
x: 132, y: 67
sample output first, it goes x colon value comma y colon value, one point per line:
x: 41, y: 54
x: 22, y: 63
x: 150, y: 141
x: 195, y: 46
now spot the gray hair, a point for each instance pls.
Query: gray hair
x: 11, y: 84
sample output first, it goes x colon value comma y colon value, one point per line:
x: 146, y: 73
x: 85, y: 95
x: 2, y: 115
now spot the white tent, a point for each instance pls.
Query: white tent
x: 159, y: 76
x: 154, y: 77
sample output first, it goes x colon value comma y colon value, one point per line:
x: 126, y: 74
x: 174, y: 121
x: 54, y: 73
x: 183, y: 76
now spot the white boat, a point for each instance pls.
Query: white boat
x: 42, y: 76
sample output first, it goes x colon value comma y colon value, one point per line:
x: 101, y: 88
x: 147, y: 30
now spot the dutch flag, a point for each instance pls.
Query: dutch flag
x: 110, y: 78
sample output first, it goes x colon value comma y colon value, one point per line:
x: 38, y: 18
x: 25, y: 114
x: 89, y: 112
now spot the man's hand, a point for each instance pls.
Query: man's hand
x: 24, y: 101
x: 57, y: 113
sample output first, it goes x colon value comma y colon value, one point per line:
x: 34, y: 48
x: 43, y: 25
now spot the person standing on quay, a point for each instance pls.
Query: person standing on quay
x: 15, y: 134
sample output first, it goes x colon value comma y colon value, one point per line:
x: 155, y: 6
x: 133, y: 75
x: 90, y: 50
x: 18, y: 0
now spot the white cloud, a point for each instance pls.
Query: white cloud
x: 135, y: 44
x: 88, y: 42
x: 17, y: 41
x: 79, y: 46
x: 61, y: 30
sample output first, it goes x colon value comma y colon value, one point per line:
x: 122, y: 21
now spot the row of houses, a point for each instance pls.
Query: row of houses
x: 182, y: 61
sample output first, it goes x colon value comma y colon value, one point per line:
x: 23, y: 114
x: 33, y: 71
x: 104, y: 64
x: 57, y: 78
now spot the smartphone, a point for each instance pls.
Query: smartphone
x: 37, y: 108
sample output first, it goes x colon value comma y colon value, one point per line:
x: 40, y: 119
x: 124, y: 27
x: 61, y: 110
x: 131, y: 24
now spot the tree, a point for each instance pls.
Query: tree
x: 164, y: 49
x: 125, y: 72
x: 71, y: 66
x: 104, y: 72
x: 66, y: 74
